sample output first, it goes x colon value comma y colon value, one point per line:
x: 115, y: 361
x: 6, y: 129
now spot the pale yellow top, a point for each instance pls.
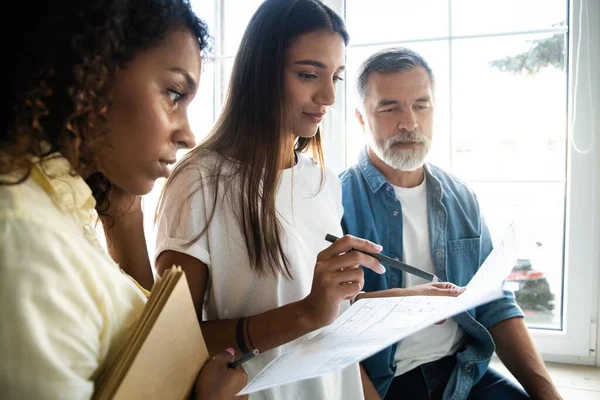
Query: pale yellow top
x: 65, y: 306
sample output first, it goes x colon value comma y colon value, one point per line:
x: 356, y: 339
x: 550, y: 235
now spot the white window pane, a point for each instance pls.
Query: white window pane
x: 508, y: 125
x: 494, y: 16
x: 205, y: 9
x: 436, y: 55
x: 538, y: 212
x: 394, y: 20
x: 236, y: 15
x: 226, y: 67
x: 200, y: 111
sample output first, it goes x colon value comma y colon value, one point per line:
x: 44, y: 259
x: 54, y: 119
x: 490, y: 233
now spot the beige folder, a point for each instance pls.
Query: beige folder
x: 165, y: 352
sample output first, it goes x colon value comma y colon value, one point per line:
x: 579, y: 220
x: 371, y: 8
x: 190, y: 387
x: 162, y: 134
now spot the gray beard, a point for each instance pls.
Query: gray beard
x: 402, y: 159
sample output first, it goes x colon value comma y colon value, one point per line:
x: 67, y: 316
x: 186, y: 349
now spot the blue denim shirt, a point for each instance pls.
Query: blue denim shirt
x: 460, y: 242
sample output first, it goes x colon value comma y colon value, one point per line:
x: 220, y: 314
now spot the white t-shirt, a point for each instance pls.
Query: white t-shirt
x: 234, y: 290
x: 437, y: 341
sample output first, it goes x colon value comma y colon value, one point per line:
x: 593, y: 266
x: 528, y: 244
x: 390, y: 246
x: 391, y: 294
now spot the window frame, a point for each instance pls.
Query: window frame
x: 577, y: 341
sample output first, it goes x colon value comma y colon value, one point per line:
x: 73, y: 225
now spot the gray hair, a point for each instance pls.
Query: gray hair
x: 396, y: 59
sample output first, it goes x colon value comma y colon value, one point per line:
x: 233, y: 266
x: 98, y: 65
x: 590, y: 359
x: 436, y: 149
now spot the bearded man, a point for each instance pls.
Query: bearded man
x: 430, y: 219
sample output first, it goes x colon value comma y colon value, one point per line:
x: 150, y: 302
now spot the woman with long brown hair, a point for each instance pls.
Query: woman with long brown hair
x: 246, y: 212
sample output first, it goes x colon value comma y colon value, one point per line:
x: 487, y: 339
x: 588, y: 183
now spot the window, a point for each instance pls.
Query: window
x: 505, y: 108
x: 516, y: 95
x: 500, y: 118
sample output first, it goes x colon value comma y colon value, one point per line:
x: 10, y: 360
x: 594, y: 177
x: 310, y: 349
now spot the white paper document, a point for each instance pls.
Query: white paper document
x: 370, y: 325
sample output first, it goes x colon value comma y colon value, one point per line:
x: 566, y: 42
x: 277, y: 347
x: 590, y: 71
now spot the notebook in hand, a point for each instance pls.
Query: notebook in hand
x: 166, y: 350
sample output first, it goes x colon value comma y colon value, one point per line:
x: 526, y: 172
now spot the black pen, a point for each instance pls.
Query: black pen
x: 244, y: 358
x: 393, y: 263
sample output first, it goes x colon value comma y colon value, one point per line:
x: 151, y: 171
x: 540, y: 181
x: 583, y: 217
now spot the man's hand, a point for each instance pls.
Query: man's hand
x: 426, y: 289
x: 434, y: 289
x: 217, y: 381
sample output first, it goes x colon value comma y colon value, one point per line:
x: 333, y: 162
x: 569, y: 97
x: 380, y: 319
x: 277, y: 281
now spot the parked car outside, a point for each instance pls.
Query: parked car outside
x: 530, y: 286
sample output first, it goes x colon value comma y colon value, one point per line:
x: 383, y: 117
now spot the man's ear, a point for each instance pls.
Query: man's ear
x: 360, y: 119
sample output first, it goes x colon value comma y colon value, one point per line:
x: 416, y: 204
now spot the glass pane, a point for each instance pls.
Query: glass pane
x: 436, y: 55
x: 226, y: 67
x: 205, y: 9
x: 494, y: 16
x: 377, y: 21
x: 508, y: 122
x: 538, y: 213
x: 200, y: 111
x: 236, y: 16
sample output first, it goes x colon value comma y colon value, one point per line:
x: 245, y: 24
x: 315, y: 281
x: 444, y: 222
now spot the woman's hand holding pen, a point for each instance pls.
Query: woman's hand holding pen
x: 338, y: 277
x: 218, y: 381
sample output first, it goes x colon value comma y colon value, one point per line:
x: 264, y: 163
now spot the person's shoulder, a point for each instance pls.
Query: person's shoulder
x: 12, y: 196
x: 349, y: 175
x: 306, y: 161
x: 44, y: 298
x: 449, y: 180
x: 198, y: 166
x: 200, y: 161
x: 36, y: 218
x: 36, y: 247
x: 309, y: 166
x: 27, y: 201
x: 456, y: 192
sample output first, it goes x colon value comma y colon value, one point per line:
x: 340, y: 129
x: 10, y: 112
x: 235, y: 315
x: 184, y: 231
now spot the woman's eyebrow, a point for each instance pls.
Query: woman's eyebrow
x: 190, y: 81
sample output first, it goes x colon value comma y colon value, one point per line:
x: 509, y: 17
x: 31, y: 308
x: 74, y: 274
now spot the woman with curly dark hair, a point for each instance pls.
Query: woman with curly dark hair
x: 97, y: 109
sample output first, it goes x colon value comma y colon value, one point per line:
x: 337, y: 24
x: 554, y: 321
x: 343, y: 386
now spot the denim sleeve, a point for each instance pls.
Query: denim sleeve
x: 504, y: 308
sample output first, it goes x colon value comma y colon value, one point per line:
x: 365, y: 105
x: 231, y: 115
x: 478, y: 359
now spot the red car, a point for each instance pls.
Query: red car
x: 530, y: 287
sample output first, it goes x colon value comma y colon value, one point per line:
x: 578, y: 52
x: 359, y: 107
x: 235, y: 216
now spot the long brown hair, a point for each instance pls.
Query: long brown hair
x: 251, y: 125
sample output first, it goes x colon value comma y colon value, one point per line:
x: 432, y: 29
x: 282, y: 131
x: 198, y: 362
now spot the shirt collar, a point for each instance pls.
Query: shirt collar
x: 69, y: 191
x: 373, y: 176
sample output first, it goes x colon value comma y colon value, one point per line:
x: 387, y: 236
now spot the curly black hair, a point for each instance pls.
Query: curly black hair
x: 62, y: 58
